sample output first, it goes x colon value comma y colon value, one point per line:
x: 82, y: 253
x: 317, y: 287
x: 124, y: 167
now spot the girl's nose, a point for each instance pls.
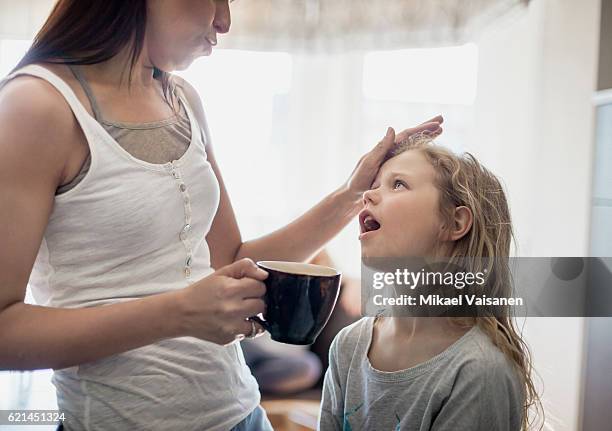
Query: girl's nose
x: 223, y: 18
x: 371, y: 197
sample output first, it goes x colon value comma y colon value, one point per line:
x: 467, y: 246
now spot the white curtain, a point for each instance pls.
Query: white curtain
x: 338, y: 25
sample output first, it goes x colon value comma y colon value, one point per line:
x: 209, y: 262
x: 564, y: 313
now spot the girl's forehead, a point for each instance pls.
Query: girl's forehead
x: 412, y: 163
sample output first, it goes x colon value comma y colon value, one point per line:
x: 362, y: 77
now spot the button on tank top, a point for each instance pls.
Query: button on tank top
x: 128, y: 229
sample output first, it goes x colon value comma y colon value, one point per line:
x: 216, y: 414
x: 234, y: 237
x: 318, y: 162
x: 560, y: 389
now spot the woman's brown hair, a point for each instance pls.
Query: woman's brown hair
x: 82, y: 32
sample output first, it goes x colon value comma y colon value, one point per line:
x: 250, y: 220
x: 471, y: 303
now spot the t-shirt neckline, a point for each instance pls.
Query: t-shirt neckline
x: 416, y: 370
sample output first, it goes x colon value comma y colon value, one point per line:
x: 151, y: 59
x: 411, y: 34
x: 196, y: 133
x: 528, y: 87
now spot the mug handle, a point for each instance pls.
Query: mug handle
x: 259, y: 320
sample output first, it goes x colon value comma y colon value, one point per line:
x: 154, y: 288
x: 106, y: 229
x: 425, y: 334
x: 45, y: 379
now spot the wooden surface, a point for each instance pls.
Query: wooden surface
x: 292, y: 415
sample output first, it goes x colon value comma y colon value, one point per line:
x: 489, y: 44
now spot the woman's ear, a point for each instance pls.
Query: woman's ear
x: 461, y: 223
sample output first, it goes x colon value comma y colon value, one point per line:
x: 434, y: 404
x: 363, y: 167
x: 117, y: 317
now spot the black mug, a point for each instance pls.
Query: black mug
x: 300, y: 298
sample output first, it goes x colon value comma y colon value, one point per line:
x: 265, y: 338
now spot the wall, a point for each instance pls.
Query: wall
x: 20, y: 19
x: 535, y: 125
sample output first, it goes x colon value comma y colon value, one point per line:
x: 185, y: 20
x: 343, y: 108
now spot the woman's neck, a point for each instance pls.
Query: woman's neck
x: 115, y: 71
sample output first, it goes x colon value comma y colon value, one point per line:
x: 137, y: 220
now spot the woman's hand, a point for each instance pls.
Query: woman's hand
x: 216, y: 308
x: 364, y: 173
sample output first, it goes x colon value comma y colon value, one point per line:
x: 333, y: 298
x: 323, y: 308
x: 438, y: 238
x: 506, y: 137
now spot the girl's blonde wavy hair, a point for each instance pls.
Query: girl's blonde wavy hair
x: 463, y: 181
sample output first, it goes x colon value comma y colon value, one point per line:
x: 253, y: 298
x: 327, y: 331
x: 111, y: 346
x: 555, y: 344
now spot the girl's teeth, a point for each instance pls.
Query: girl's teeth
x: 370, y: 224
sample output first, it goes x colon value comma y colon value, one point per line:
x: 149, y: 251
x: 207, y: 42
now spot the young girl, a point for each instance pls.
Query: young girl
x: 432, y: 373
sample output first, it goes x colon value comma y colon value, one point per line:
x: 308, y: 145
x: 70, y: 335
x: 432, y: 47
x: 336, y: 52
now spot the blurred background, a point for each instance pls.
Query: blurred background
x: 300, y: 89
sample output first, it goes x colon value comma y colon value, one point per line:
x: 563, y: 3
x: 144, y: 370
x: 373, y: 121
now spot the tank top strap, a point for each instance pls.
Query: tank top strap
x: 64, y: 89
x: 177, y: 88
x: 78, y: 74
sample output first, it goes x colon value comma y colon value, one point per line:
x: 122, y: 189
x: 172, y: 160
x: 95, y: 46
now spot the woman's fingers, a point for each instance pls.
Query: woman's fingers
x: 251, y: 288
x: 433, y: 128
x: 243, y: 268
x: 253, y: 307
x: 437, y: 119
x: 385, y: 144
x: 364, y: 173
x: 434, y: 133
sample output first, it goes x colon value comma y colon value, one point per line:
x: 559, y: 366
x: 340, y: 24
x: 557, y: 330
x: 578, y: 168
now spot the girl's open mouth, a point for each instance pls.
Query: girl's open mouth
x: 367, y: 223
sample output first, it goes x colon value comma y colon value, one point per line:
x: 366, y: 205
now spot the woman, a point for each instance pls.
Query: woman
x: 114, y: 209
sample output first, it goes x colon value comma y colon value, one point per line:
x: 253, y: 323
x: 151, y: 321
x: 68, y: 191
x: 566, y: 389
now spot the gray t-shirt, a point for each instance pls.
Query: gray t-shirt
x: 469, y: 386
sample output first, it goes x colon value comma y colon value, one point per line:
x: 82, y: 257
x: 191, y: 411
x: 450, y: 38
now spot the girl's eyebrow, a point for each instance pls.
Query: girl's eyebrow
x: 384, y: 176
x: 399, y: 174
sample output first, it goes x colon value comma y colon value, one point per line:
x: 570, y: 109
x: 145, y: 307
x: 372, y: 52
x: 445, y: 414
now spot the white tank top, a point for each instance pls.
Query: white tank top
x: 131, y: 229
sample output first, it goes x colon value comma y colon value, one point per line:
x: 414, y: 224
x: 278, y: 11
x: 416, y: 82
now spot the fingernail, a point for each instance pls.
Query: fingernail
x: 389, y: 130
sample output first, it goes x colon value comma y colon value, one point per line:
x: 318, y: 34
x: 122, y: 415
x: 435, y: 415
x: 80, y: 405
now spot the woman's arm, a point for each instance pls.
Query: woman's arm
x: 32, y: 159
x: 297, y: 241
x: 302, y: 238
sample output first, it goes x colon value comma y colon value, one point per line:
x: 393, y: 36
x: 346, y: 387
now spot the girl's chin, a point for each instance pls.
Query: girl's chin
x: 371, y: 252
x: 365, y: 250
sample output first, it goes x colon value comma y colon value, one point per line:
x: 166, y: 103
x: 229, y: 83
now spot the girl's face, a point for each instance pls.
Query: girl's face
x: 179, y: 31
x: 401, y: 214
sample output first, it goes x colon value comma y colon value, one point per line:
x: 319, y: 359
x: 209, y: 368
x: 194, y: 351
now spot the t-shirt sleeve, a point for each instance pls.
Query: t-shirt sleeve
x: 332, y: 403
x: 485, y: 396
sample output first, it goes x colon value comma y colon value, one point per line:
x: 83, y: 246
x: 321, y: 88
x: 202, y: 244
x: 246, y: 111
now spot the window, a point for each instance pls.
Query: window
x: 245, y: 96
x: 445, y: 76
x: 404, y: 87
x: 11, y: 51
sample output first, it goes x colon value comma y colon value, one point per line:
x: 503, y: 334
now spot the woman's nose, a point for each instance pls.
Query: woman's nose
x: 223, y: 18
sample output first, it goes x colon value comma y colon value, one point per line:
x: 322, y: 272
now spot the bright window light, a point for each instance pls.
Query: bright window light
x: 11, y: 51
x: 245, y: 95
x: 238, y: 89
x: 247, y: 71
x: 434, y: 75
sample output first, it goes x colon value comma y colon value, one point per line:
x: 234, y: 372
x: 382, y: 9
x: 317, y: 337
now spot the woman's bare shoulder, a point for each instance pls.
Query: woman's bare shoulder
x: 36, y: 121
x: 33, y: 101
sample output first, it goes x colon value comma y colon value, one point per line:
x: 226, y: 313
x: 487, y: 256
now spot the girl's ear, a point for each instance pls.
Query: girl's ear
x: 461, y: 223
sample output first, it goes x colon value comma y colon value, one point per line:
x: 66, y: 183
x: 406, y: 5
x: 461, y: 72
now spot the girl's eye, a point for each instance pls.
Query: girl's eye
x: 398, y: 183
